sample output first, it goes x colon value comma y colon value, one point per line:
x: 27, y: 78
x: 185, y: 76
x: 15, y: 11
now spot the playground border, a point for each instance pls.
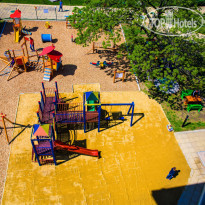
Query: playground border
x: 85, y: 84
x: 190, y: 131
x: 10, y: 150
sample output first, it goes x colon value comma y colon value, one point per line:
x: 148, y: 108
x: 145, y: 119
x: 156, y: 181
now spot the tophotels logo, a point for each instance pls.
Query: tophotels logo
x: 173, y: 21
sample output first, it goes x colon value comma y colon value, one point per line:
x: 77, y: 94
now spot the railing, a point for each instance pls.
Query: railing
x: 71, y: 117
x: 69, y: 107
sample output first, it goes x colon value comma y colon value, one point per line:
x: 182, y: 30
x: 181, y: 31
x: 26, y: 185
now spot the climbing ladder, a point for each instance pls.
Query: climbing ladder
x: 47, y: 74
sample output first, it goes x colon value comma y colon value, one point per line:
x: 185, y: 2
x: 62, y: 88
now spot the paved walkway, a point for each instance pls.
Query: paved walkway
x: 28, y: 11
x: 191, y: 143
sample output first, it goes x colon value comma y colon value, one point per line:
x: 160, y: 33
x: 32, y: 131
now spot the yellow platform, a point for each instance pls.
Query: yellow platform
x: 133, y: 168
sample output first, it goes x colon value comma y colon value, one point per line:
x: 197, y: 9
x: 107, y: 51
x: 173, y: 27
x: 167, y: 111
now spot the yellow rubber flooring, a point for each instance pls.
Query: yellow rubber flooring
x: 133, y: 168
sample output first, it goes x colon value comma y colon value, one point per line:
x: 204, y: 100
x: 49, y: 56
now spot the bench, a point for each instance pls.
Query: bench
x: 194, y: 107
x: 186, y: 93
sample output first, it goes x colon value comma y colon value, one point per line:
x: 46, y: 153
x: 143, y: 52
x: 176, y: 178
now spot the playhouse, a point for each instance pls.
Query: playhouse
x: 51, y: 61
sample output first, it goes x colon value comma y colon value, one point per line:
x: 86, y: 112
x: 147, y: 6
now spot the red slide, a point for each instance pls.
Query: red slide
x: 60, y: 145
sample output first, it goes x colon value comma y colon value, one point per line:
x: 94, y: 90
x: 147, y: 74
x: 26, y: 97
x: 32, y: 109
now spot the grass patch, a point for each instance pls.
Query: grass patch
x: 176, y: 120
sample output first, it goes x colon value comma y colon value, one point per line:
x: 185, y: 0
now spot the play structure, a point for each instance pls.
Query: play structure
x: 18, y: 60
x: 99, y: 45
x: 102, y: 64
x: 53, y: 110
x: 46, y: 38
x: 17, y: 26
x: 192, y: 100
x: 51, y: 61
x: 44, y: 145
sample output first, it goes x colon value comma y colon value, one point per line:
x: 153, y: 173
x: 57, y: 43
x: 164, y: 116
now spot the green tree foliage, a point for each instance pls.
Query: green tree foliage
x: 152, y: 56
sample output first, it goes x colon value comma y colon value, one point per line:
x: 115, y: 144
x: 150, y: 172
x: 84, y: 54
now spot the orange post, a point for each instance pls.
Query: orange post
x: 7, y: 138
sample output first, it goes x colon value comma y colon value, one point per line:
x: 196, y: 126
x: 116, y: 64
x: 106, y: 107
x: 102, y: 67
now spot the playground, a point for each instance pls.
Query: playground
x: 77, y: 69
x: 132, y: 162
x: 132, y: 167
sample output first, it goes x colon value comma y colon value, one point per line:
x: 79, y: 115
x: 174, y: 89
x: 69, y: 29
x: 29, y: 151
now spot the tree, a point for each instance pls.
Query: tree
x: 153, y: 56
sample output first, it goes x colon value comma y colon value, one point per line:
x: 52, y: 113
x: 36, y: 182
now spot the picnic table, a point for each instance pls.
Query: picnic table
x: 192, y: 100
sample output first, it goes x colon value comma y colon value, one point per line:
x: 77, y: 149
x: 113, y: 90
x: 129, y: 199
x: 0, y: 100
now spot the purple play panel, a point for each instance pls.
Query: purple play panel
x: 202, y: 157
x: 47, y: 116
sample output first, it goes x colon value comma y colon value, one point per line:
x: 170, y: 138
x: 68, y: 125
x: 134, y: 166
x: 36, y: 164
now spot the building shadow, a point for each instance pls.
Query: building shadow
x: 190, y: 194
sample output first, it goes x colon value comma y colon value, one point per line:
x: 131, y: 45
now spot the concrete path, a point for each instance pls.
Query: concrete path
x: 191, y: 143
x: 36, y: 12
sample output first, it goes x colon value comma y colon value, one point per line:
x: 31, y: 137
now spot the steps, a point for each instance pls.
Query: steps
x: 47, y: 74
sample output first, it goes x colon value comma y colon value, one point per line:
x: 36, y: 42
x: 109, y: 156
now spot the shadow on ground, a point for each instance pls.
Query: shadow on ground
x: 191, y: 195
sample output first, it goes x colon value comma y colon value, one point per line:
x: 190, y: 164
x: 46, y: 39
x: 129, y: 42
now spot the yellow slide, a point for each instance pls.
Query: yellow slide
x: 16, y: 35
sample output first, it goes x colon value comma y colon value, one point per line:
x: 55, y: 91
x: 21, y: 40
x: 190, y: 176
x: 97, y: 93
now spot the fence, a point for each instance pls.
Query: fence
x: 35, y: 12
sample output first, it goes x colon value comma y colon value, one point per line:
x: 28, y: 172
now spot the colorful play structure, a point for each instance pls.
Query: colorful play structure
x: 51, y: 61
x: 53, y: 112
x: 102, y: 64
x: 17, y: 25
x: 44, y: 145
x: 18, y: 60
x: 99, y: 45
x: 192, y: 100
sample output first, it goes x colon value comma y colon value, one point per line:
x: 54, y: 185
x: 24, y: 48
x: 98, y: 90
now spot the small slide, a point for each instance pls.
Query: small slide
x: 47, y: 74
x: 80, y: 150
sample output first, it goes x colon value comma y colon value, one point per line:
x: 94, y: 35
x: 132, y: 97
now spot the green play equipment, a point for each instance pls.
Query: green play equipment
x: 92, y: 98
x: 186, y: 93
x: 194, y: 107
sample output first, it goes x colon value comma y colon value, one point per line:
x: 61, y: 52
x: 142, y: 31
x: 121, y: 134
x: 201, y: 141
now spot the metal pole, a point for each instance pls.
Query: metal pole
x: 34, y: 148
x: 185, y: 120
x: 7, y: 138
x: 99, y: 116
x: 56, y: 13
x: 36, y: 13
x: 133, y: 107
x: 52, y: 150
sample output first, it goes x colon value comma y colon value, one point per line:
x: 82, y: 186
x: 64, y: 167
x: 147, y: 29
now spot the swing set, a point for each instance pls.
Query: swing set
x: 3, y: 119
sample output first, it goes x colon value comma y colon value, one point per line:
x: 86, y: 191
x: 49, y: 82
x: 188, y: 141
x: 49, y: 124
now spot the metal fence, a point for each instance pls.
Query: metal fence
x: 35, y: 12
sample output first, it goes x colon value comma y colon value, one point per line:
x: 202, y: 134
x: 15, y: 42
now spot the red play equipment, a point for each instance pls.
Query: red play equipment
x: 51, y: 61
x: 44, y: 145
x: 60, y: 145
